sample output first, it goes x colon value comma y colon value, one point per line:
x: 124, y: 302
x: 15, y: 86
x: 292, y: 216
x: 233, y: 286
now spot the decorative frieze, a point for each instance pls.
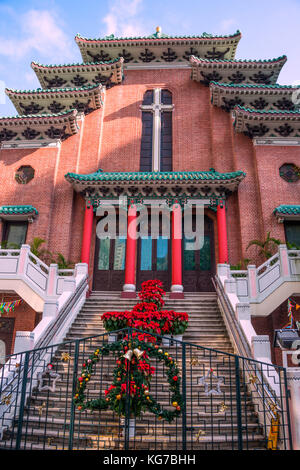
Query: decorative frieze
x: 158, y: 47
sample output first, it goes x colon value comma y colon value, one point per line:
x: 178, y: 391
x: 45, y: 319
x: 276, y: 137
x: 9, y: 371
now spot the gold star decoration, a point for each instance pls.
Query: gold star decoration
x: 65, y: 357
x: 6, y: 400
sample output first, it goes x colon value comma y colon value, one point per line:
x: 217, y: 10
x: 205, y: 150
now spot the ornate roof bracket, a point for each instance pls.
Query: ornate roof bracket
x: 170, y: 186
x: 236, y: 71
x: 55, y: 100
x: 157, y: 48
x: 260, y: 97
x: 255, y: 123
x: 107, y: 74
x: 42, y: 128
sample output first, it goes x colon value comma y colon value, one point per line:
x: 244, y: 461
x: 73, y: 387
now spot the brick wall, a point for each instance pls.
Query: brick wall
x: 25, y: 319
x: 109, y: 138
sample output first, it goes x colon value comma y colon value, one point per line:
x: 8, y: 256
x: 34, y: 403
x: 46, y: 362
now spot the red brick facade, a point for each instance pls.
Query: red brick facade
x: 110, y: 138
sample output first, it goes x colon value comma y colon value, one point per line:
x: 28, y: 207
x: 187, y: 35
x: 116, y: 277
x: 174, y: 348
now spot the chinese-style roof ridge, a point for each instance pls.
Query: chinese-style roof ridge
x: 51, y: 90
x: 270, y: 111
x: 18, y: 210
x: 287, y: 209
x: 79, y: 64
x: 157, y: 36
x: 236, y: 61
x: 154, y: 176
x: 275, y: 86
x: 43, y: 115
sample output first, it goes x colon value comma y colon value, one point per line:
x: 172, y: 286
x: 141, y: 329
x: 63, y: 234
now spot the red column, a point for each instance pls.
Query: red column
x: 129, y: 288
x: 222, y: 233
x: 177, y: 287
x: 87, y: 234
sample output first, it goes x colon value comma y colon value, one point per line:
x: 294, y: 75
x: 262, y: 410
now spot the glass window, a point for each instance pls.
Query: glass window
x: 146, y: 254
x: 162, y: 254
x: 292, y: 233
x: 104, y: 252
x: 205, y: 255
x: 15, y: 234
x: 189, y: 263
x: 119, y: 255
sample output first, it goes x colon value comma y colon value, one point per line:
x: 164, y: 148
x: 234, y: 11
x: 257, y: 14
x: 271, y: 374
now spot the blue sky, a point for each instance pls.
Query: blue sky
x: 44, y: 30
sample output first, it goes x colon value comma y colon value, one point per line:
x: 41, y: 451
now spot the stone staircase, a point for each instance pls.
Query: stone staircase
x: 211, y: 420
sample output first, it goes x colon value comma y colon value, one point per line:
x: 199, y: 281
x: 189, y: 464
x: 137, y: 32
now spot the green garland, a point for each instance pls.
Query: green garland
x: 135, y: 373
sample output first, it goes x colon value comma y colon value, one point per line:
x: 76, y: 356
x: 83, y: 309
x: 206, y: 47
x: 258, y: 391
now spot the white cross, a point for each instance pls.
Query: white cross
x: 156, y: 108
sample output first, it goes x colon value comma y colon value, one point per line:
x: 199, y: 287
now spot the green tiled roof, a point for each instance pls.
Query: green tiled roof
x: 53, y: 90
x: 80, y: 64
x: 270, y: 111
x: 288, y: 210
x: 45, y: 115
x: 237, y: 61
x: 18, y: 210
x: 158, y: 36
x: 210, y: 175
x: 275, y: 86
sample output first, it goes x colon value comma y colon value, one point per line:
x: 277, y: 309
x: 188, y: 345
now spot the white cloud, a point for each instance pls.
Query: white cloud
x: 123, y: 18
x: 37, y: 31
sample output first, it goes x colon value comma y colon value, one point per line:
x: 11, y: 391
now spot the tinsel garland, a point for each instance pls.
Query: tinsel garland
x: 132, y: 372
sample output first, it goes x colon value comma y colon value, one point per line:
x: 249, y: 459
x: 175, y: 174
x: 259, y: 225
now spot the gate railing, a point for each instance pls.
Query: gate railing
x: 227, y: 402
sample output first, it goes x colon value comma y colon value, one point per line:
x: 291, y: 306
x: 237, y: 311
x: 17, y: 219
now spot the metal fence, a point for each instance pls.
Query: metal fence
x: 228, y: 402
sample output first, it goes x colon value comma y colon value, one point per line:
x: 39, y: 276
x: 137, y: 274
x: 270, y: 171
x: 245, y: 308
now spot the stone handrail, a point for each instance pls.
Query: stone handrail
x: 259, y: 291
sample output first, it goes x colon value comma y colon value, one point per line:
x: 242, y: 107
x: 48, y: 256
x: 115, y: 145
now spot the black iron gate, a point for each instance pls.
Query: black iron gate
x: 228, y: 402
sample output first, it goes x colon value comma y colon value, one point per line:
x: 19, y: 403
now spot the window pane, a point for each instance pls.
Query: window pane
x: 162, y: 254
x: 146, y: 254
x: 292, y: 233
x: 146, y: 143
x: 119, y: 258
x: 166, y: 97
x: 189, y: 263
x: 16, y: 233
x: 205, y: 255
x: 148, y: 97
x: 166, y: 142
x: 104, y: 250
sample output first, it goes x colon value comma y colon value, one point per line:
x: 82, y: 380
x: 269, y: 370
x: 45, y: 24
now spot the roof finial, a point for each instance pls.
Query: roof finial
x: 158, y: 31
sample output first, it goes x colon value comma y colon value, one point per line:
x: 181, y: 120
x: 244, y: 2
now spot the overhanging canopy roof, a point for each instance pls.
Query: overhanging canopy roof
x: 18, y: 212
x: 236, y: 71
x: 291, y: 212
x: 70, y: 75
x: 191, y: 184
x: 158, y: 47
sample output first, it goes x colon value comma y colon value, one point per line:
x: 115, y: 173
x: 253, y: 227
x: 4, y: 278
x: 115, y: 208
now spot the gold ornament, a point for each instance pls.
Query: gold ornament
x: 253, y: 379
x: 200, y: 434
x: 222, y: 408
x: 174, y: 404
x: 194, y: 361
x: 65, y: 357
x: 128, y: 355
x: 40, y: 408
x: 138, y: 353
x: 6, y: 400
